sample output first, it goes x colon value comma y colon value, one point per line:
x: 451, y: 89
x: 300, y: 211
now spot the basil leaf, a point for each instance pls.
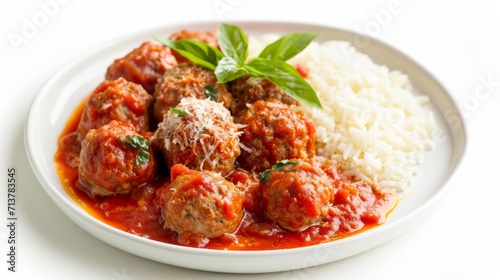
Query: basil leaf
x: 142, y: 157
x: 288, y: 46
x: 282, y: 163
x: 138, y: 142
x: 264, y: 176
x: 230, y: 63
x: 178, y: 112
x: 228, y: 70
x: 278, y: 167
x: 198, y: 52
x: 233, y: 42
x: 286, y: 77
x: 262, y: 71
x: 211, y: 93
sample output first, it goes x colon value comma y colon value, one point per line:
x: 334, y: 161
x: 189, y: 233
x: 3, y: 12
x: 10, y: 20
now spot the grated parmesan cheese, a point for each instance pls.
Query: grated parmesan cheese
x: 206, y: 131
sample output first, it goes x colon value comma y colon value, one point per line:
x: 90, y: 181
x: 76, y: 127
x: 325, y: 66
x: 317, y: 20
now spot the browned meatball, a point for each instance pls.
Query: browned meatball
x: 200, y: 202
x: 115, y: 159
x: 187, y: 80
x: 118, y: 100
x: 248, y: 89
x: 209, y: 37
x: 296, y: 194
x: 143, y: 65
x: 273, y: 132
x: 200, y: 134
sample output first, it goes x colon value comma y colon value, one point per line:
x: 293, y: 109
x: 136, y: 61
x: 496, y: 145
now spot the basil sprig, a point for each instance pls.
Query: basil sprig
x: 138, y: 142
x: 231, y: 63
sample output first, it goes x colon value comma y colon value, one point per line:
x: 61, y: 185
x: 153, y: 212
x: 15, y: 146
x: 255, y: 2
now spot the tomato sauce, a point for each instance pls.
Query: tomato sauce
x: 357, y: 207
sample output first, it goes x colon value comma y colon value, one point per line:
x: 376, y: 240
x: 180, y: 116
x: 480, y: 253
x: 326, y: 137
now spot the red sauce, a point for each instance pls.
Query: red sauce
x: 357, y: 207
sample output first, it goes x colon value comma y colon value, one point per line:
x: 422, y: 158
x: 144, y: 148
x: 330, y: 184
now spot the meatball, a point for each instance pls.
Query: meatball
x: 296, y: 194
x: 187, y: 80
x: 249, y: 184
x: 209, y: 37
x: 273, y: 132
x: 200, y: 134
x: 118, y: 100
x: 115, y: 159
x: 143, y: 65
x: 248, y: 89
x: 200, y: 202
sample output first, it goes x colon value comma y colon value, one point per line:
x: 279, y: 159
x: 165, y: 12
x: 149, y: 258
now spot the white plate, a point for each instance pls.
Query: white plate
x: 67, y: 88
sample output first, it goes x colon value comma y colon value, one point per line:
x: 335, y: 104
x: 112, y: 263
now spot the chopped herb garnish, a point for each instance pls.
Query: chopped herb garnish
x: 230, y: 62
x: 178, y: 112
x: 138, y: 142
x: 211, y: 92
x: 278, y: 167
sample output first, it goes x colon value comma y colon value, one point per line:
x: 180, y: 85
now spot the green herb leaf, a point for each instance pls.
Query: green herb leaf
x: 233, y: 42
x: 288, y: 46
x: 142, y: 157
x: 264, y: 176
x: 230, y: 64
x: 198, y: 52
x: 228, y: 70
x: 211, y: 93
x: 178, y: 112
x: 286, y: 77
x: 282, y: 163
x: 278, y: 167
x: 138, y: 142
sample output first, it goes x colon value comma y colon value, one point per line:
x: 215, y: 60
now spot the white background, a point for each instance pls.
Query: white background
x: 459, y: 42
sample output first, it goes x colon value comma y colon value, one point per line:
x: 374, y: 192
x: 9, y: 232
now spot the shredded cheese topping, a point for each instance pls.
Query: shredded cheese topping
x: 207, y: 127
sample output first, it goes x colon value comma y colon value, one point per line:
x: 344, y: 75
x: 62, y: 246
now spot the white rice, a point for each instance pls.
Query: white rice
x: 372, y: 124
